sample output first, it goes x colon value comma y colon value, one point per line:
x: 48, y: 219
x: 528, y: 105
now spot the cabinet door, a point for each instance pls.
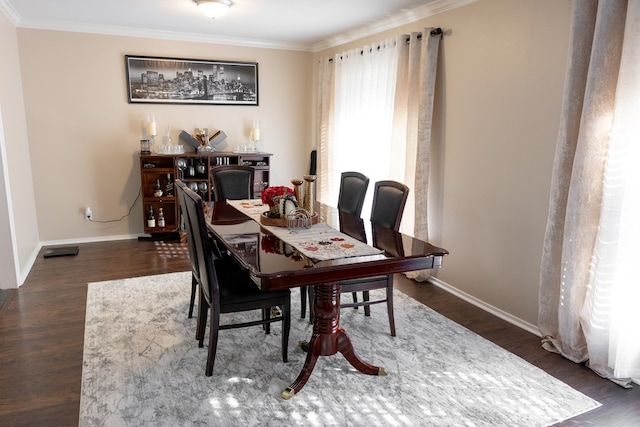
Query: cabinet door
x: 260, y: 163
x: 157, y: 175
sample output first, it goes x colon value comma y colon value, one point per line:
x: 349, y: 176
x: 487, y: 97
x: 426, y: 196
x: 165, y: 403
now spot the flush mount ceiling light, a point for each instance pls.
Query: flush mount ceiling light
x: 214, y: 8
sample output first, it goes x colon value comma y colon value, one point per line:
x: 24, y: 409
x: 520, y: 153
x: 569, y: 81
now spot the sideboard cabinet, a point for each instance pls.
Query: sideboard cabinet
x: 158, y: 173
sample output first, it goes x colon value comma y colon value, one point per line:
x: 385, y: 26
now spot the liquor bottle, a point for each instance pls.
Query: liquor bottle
x: 161, y: 222
x: 151, y: 218
x: 168, y: 189
x: 158, y: 190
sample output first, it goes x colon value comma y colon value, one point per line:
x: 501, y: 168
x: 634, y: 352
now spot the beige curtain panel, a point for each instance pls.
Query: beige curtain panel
x: 589, y: 291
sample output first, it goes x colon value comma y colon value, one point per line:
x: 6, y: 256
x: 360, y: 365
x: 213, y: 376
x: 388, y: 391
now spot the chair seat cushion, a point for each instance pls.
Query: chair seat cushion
x: 364, y: 284
x: 237, y: 286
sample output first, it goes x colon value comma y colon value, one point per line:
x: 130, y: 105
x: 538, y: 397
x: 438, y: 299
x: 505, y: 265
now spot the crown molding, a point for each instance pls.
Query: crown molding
x: 9, y: 11
x: 388, y: 23
x: 159, y: 34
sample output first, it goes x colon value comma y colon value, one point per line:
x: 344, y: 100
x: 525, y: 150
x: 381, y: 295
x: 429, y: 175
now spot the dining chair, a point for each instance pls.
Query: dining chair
x: 353, y: 189
x: 226, y: 288
x: 232, y: 182
x: 389, y: 200
x: 180, y: 186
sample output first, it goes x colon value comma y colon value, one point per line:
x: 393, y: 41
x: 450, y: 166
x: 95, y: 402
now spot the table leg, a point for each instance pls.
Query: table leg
x: 328, y: 338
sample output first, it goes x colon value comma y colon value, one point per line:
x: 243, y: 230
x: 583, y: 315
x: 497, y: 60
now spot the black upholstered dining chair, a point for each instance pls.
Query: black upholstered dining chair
x: 232, y: 182
x: 180, y: 187
x: 353, y: 190
x: 389, y: 200
x: 226, y: 288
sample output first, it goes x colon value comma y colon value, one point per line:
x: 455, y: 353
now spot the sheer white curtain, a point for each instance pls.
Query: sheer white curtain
x: 362, y: 118
x: 589, y: 290
x: 374, y: 116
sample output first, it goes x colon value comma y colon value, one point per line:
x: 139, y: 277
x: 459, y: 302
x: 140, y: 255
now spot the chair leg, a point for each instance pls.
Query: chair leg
x: 303, y: 301
x: 213, y: 341
x: 266, y: 314
x: 392, y: 322
x: 367, y: 308
x: 354, y: 295
x: 201, y: 324
x: 286, y: 326
x: 194, y: 288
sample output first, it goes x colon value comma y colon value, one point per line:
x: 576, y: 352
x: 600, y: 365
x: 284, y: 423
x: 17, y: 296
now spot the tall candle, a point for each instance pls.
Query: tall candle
x: 255, y: 134
x: 151, y: 128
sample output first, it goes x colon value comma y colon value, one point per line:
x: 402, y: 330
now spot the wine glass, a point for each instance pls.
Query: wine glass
x: 193, y: 186
x: 201, y: 168
x: 182, y: 165
x: 202, y: 186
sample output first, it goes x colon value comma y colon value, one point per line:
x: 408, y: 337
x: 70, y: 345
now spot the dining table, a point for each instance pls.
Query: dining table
x: 282, y: 258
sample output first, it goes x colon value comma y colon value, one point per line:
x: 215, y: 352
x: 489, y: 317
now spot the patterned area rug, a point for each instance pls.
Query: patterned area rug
x: 142, y: 367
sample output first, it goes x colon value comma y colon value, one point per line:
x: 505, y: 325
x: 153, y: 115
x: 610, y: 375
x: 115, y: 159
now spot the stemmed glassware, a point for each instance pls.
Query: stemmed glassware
x: 201, y: 168
x: 182, y: 165
x: 202, y: 186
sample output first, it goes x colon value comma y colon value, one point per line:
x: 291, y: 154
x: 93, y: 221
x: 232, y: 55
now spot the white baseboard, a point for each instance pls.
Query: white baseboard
x: 486, y: 307
x: 89, y: 240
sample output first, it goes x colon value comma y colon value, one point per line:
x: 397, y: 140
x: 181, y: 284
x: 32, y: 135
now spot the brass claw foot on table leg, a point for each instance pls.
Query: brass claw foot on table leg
x: 288, y: 393
x: 382, y: 372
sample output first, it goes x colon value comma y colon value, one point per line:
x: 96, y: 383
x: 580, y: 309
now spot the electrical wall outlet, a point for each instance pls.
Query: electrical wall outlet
x: 88, y: 214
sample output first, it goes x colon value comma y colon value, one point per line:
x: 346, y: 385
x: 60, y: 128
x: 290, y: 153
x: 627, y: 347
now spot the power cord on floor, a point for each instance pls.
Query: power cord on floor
x: 128, y: 213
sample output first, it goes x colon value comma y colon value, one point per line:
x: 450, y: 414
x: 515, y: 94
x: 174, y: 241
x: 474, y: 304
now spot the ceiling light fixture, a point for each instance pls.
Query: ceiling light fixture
x: 214, y: 8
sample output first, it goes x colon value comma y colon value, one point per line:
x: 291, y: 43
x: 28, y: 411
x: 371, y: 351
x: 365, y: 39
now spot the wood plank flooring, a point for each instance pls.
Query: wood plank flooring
x: 42, y: 333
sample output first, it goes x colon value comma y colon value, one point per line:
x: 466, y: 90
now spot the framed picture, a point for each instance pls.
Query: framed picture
x: 157, y: 80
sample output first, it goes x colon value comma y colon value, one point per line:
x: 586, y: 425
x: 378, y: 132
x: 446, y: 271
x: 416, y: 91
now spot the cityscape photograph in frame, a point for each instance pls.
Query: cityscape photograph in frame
x: 157, y: 80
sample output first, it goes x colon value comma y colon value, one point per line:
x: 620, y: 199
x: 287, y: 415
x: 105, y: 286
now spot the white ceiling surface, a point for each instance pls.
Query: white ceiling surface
x: 286, y: 24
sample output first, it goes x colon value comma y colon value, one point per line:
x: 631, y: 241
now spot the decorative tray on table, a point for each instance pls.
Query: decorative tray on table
x: 299, y: 218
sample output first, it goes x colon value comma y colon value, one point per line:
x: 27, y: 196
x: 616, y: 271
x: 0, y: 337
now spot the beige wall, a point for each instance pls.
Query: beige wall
x: 500, y: 83
x: 18, y: 223
x: 84, y: 136
x: 499, y: 90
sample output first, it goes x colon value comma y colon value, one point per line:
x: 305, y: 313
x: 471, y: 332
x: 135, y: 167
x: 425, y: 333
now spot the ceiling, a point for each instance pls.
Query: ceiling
x: 286, y: 24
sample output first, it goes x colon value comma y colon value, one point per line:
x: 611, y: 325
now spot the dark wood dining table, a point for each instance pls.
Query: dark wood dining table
x: 274, y: 265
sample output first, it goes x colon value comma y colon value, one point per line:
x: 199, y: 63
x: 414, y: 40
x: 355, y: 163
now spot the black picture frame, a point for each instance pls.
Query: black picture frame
x: 160, y: 80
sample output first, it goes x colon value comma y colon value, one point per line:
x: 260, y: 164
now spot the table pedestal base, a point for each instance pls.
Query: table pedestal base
x: 328, y: 338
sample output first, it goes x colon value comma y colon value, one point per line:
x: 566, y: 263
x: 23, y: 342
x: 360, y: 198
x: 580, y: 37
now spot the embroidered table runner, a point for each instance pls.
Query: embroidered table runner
x: 319, y: 242
x: 253, y: 208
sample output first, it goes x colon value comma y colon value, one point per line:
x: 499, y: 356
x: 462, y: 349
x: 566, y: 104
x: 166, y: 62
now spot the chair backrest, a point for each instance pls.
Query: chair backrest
x: 180, y: 187
x: 203, y: 248
x: 232, y: 182
x: 389, y: 198
x: 353, y: 189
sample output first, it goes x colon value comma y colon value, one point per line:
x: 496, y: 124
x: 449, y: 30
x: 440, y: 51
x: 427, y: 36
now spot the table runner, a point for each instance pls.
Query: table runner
x: 319, y: 242
x: 253, y: 208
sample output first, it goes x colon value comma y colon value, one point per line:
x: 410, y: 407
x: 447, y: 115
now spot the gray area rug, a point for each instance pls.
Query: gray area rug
x: 142, y: 367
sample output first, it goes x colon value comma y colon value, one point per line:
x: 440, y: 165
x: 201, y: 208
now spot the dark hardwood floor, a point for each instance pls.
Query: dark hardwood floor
x: 42, y: 333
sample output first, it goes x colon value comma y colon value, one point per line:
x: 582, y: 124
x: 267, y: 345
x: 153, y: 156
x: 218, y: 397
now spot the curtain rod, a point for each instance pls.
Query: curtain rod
x: 435, y: 32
